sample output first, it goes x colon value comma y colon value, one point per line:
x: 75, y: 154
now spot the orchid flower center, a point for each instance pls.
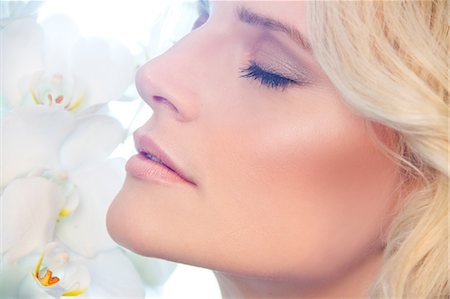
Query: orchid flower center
x: 54, y: 285
x: 47, y: 279
x: 56, y: 91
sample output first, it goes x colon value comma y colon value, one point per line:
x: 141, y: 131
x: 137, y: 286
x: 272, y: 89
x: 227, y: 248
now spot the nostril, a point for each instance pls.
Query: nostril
x: 163, y: 100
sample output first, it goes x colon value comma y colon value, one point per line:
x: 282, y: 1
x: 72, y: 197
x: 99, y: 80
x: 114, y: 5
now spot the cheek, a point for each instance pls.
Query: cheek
x: 329, y: 173
x: 303, y: 187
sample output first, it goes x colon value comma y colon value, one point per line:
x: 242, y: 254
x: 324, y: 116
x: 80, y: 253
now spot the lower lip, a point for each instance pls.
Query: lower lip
x: 143, y: 168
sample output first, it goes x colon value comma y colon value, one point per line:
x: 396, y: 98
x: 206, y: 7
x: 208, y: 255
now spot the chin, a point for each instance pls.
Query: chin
x: 115, y: 223
x: 122, y: 222
x: 137, y: 222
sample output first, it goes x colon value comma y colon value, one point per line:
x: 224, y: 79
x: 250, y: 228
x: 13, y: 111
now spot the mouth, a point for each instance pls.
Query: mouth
x: 156, y: 159
x: 151, y: 161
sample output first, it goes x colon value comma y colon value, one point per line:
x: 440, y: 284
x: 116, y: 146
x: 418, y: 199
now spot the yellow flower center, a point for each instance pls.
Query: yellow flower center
x: 53, y: 94
x: 48, y: 279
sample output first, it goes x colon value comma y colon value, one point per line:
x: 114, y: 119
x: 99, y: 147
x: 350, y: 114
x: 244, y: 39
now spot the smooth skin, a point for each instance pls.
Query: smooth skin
x: 292, y: 196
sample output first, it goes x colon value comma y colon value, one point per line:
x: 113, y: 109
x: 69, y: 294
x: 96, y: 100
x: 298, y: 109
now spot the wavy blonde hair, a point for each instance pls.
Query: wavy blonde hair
x: 389, y: 61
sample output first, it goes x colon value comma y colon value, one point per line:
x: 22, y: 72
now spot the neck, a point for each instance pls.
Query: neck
x: 354, y: 283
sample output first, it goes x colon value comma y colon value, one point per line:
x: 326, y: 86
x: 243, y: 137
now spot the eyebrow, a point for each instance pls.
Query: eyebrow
x: 249, y: 17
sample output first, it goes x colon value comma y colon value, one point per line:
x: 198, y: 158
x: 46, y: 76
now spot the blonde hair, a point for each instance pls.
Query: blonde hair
x: 389, y: 61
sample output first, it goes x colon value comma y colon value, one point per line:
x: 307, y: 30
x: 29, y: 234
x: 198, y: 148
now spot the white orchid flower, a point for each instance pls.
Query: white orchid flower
x: 46, y: 137
x: 69, y: 189
x: 50, y: 64
x: 57, y: 180
x: 61, y: 272
x: 58, y: 275
x: 71, y: 152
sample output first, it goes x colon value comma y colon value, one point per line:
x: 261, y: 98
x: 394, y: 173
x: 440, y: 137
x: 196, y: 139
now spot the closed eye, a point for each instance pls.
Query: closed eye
x: 267, y: 78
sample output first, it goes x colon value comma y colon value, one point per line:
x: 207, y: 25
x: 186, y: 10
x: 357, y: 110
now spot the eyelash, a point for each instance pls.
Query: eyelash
x: 269, y: 79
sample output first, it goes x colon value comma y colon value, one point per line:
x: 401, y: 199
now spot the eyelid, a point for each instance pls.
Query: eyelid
x: 282, y: 68
x: 273, y: 54
x: 279, y: 70
x: 269, y: 79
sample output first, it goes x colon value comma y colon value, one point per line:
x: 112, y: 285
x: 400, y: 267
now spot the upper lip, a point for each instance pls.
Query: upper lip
x: 145, y: 144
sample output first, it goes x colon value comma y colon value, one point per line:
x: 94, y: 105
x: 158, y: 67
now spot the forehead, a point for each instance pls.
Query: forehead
x: 290, y: 12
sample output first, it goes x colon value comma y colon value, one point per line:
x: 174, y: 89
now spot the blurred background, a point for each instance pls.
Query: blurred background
x: 139, y: 30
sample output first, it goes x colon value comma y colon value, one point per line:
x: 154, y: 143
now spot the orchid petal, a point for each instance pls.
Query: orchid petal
x: 32, y: 137
x: 84, y: 231
x: 60, y: 33
x: 94, y: 138
x: 106, y: 67
x: 99, y: 109
x: 12, y: 276
x: 21, y: 48
x: 114, y: 276
x: 30, y: 290
x: 71, y: 204
x: 30, y: 209
x: 76, y: 280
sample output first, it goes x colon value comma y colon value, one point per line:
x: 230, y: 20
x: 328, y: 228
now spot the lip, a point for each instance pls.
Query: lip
x: 142, y: 167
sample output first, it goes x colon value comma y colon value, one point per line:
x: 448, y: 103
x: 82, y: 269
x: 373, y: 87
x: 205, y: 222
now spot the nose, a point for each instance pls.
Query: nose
x: 167, y: 84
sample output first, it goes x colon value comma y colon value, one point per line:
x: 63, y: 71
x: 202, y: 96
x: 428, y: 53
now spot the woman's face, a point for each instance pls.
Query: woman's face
x: 287, y: 182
